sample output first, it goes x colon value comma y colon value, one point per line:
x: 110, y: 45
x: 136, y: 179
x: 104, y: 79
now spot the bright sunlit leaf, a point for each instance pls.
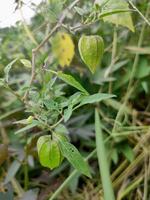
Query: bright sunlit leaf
x: 123, y: 19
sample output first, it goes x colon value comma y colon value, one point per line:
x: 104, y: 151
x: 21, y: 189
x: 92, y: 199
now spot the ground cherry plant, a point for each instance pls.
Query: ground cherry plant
x: 68, y: 90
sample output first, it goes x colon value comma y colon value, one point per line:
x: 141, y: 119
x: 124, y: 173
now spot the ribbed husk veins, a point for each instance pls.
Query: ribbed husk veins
x: 91, y: 49
x: 49, y: 152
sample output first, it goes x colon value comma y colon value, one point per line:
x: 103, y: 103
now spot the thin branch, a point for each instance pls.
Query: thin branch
x: 46, y: 39
x: 59, y: 121
x: 143, y: 17
x: 34, y: 51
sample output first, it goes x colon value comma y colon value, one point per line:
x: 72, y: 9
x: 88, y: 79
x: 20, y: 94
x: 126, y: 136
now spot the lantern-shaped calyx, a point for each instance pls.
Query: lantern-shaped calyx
x: 49, y: 152
x: 91, y: 49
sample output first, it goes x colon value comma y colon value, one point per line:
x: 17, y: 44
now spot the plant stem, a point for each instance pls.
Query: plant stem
x: 140, y: 41
x: 26, y: 177
x: 17, y: 187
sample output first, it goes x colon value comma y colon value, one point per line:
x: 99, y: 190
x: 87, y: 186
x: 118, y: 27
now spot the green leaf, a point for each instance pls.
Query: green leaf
x: 122, y: 18
x: 95, y: 98
x: 109, y: 13
x: 74, y: 157
x: 26, y: 63
x: 114, y: 156
x: 62, y: 129
x: 75, y: 98
x: 143, y: 69
x: 28, y: 127
x: 145, y: 86
x: 71, y: 81
x: 61, y: 136
x: 8, y: 68
x: 50, y: 104
x: 128, y: 152
x: 67, y: 113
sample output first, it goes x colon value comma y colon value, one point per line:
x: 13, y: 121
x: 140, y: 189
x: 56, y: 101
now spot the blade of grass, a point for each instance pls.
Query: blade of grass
x: 129, y: 170
x: 124, y: 164
x: 130, y: 188
x: 102, y: 159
